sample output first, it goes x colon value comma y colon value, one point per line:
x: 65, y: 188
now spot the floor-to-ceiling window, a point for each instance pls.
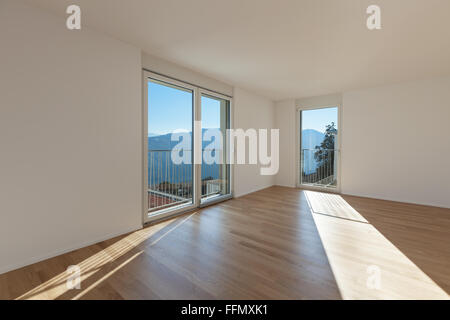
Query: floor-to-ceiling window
x: 183, y: 120
x: 170, y: 110
x: 319, y: 147
x: 215, y: 171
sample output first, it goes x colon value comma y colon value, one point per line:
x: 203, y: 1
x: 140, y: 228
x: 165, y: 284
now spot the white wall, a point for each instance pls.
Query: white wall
x: 70, y: 136
x: 169, y: 69
x: 330, y: 100
x: 285, y: 117
x: 251, y: 111
x: 396, y: 142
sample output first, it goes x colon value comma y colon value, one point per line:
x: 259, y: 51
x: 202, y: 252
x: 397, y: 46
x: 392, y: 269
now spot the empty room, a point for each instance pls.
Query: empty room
x: 206, y: 151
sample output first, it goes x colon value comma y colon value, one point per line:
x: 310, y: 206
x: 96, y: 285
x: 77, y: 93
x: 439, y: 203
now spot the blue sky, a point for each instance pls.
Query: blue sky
x: 210, y: 113
x: 318, y: 119
x: 171, y: 109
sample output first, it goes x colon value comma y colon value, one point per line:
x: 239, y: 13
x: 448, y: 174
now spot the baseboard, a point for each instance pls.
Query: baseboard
x: 34, y: 260
x: 252, y: 191
x: 375, y: 197
x: 284, y: 185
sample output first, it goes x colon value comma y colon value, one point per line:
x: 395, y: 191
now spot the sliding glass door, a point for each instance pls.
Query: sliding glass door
x: 170, y: 117
x: 182, y: 121
x: 319, y: 151
x: 215, y: 172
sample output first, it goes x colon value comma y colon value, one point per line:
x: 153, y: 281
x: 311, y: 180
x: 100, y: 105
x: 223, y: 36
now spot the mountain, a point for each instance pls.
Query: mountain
x: 153, y: 134
x: 311, y: 138
x: 160, y: 142
x: 164, y: 142
x: 161, y: 168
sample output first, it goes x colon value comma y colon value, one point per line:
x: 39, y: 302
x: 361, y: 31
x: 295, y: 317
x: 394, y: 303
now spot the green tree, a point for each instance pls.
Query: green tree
x: 324, y: 154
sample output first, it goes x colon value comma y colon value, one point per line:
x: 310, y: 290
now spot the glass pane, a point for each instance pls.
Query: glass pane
x: 169, y: 110
x: 319, y: 147
x: 215, y: 172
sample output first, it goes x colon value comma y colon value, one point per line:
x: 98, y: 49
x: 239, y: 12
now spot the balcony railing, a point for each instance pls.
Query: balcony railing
x: 171, y: 184
x: 319, y: 167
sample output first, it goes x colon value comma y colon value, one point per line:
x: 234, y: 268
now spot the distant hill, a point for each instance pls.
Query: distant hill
x: 161, y: 167
x: 164, y: 142
x: 153, y: 134
x: 161, y: 142
x: 310, y: 139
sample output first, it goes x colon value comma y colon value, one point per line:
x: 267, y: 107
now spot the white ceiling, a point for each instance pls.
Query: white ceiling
x: 280, y: 48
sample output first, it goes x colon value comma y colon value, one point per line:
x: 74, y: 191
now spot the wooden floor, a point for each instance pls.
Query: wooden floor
x: 279, y: 243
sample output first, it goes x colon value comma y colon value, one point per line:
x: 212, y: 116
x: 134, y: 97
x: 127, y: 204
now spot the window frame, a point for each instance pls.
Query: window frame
x: 197, y: 143
x: 298, y: 147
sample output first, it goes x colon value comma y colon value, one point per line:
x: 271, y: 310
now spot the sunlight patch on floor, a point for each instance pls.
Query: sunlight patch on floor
x: 57, y: 286
x: 109, y: 274
x: 332, y: 205
x: 172, y: 229
x: 365, y: 264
